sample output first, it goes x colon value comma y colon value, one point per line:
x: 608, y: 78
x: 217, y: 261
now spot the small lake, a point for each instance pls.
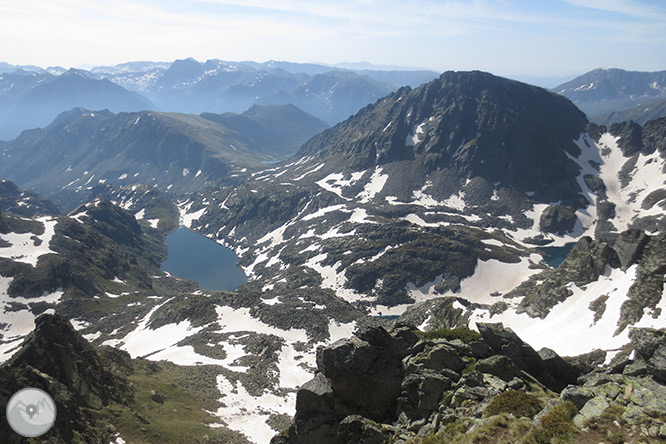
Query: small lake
x: 554, y: 256
x: 196, y: 257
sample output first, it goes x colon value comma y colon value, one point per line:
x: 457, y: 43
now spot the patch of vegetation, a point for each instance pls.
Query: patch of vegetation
x: 179, y: 418
x: 556, y: 425
x: 463, y: 333
x: 610, y: 424
x: 515, y: 402
x: 469, y: 367
x: 501, y: 429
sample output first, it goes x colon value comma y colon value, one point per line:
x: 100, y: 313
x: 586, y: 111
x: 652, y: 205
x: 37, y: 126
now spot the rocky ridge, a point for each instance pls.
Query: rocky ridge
x: 403, y: 386
x: 176, y: 152
x: 604, y: 90
x: 101, y: 393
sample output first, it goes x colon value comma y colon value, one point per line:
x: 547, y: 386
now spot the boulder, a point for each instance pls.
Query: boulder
x: 366, y: 371
x: 422, y: 393
x: 500, y: 366
x: 505, y: 342
x: 579, y: 396
x: 556, y: 365
x: 650, y: 345
x: 558, y: 219
x: 355, y: 429
x: 593, y: 408
x: 438, y: 357
x: 315, y: 396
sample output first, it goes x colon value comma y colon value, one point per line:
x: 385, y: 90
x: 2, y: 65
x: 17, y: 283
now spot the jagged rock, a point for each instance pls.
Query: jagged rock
x: 356, y: 429
x: 57, y: 350
x: 315, y: 396
x: 555, y: 365
x: 588, y: 260
x: 365, y: 371
x: 558, y: 219
x: 650, y: 344
x: 629, y: 246
x: 59, y: 361
x: 422, y: 393
x: 500, y: 366
x: 504, y: 341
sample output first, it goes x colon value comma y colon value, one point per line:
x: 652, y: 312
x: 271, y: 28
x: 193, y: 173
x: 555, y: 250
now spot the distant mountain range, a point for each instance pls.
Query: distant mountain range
x: 176, y: 152
x: 614, y: 95
x: 32, y: 97
x: 32, y: 100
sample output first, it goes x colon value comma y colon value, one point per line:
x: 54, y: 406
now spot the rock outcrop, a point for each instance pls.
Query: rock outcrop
x: 401, y: 386
x: 57, y: 360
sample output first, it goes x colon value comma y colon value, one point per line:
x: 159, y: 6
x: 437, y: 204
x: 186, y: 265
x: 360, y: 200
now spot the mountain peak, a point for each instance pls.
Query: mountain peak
x: 56, y: 349
x: 74, y: 72
x: 473, y: 123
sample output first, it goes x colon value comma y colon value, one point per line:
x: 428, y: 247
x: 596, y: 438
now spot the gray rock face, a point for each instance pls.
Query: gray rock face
x: 629, y: 246
x: 366, y: 371
x: 315, y: 396
x: 422, y: 393
x: 577, y: 395
x: 651, y: 347
x: 356, y: 429
x: 505, y: 342
x: 558, y: 219
x: 500, y: 366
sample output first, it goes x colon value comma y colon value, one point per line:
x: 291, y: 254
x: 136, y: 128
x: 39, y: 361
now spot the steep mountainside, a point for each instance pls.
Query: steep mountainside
x: 24, y: 202
x: 640, y: 114
x: 38, y: 105
x: 606, y: 90
x: 101, y: 393
x: 276, y: 130
x: 176, y: 152
x: 444, y: 191
x: 240, y: 355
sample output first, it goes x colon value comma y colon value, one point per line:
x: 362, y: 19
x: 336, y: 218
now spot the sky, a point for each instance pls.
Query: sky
x: 546, y: 38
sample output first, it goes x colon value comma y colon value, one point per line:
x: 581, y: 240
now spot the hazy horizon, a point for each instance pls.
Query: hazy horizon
x: 512, y: 38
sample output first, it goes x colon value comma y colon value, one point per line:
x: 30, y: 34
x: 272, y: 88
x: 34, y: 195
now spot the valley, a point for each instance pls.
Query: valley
x: 467, y: 201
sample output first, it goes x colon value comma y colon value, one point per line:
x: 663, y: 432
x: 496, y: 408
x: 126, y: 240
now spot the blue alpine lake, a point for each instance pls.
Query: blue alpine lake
x: 196, y: 257
x: 554, y: 256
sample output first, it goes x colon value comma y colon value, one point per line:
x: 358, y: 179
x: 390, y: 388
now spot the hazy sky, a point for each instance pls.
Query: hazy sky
x: 506, y: 37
